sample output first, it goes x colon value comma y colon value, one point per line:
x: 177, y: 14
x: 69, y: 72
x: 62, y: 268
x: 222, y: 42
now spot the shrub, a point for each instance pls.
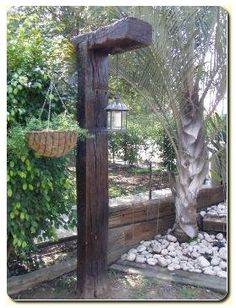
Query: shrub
x: 40, y: 190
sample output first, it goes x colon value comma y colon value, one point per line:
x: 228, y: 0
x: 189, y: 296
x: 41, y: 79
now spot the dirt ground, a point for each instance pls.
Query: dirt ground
x: 124, y: 180
x: 121, y: 287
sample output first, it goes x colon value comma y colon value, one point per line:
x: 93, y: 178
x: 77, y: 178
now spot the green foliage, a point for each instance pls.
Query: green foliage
x: 178, y: 58
x: 167, y: 153
x: 59, y: 122
x: 129, y: 143
x: 216, y: 133
x: 126, y: 145
x: 40, y: 190
x: 142, y: 143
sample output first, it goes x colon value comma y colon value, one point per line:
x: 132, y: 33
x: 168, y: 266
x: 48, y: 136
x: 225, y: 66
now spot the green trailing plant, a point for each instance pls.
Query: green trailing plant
x: 39, y: 190
x: 59, y: 122
x: 17, y: 138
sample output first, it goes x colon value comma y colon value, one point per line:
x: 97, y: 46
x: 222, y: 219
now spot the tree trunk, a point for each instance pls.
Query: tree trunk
x: 150, y: 180
x: 186, y: 213
x: 192, y: 165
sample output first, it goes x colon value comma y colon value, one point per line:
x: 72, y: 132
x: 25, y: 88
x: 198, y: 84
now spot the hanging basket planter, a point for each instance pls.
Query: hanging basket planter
x: 57, y: 135
x: 52, y: 143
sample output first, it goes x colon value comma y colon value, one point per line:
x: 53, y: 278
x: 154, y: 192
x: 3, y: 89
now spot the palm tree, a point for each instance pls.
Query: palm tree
x: 182, y: 77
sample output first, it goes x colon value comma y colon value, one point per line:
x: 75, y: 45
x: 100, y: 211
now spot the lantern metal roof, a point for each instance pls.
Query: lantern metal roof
x: 117, y: 105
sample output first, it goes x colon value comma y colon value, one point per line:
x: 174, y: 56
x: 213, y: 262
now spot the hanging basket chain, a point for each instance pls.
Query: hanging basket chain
x: 63, y: 104
x: 49, y: 106
x: 117, y: 73
x: 52, y: 143
x: 44, y: 103
x: 48, y: 95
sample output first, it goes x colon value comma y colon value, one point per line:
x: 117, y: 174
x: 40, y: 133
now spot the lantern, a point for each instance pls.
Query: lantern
x: 116, y: 115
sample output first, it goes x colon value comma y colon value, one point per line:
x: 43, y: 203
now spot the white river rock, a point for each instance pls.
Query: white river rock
x: 140, y: 259
x: 141, y: 248
x: 199, y: 255
x: 152, y: 261
x: 203, y: 262
x: 171, y: 238
x: 131, y: 256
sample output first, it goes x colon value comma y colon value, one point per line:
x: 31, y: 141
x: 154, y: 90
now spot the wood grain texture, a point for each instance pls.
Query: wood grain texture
x: 159, y: 208
x: 92, y: 174
x: 16, y: 284
x: 214, y: 224
x: 125, y: 34
x: 92, y: 51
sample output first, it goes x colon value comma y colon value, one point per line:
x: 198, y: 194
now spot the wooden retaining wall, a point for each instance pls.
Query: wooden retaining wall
x: 128, y: 225
x: 133, y: 222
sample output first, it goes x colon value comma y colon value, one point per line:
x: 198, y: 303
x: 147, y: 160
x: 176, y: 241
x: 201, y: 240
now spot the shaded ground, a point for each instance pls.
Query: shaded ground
x: 42, y: 257
x: 121, y: 286
x: 125, y: 180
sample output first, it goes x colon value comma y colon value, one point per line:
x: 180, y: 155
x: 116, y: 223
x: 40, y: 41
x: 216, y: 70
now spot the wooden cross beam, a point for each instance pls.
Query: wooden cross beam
x: 123, y: 35
x: 92, y: 51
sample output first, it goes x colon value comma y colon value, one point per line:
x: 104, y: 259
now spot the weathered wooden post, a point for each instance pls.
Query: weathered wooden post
x: 92, y: 155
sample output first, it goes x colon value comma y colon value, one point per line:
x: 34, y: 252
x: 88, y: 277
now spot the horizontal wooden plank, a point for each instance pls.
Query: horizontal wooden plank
x: 210, y: 195
x: 158, y: 208
x: 164, y: 223
x: 178, y: 276
x: 125, y: 34
x: 20, y: 283
x: 214, y: 224
x: 120, y: 239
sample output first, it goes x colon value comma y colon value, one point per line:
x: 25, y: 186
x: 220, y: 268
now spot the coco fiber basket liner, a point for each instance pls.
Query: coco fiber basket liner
x: 52, y: 143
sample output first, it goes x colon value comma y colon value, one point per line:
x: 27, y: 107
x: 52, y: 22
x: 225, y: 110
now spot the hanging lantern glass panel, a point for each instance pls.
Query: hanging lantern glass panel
x: 124, y: 119
x: 116, y: 112
x: 116, y: 120
x: 116, y: 115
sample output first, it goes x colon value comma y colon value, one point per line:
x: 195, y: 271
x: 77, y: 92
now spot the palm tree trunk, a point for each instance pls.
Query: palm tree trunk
x: 192, y: 166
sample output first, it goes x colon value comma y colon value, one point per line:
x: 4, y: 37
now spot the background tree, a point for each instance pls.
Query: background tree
x: 40, y: 190
x: 175, y: 75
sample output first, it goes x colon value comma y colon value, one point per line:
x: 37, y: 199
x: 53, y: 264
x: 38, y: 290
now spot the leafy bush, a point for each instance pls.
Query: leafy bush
x: 125, y: 145
x: 40, y: 190
x: 140, y: 143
